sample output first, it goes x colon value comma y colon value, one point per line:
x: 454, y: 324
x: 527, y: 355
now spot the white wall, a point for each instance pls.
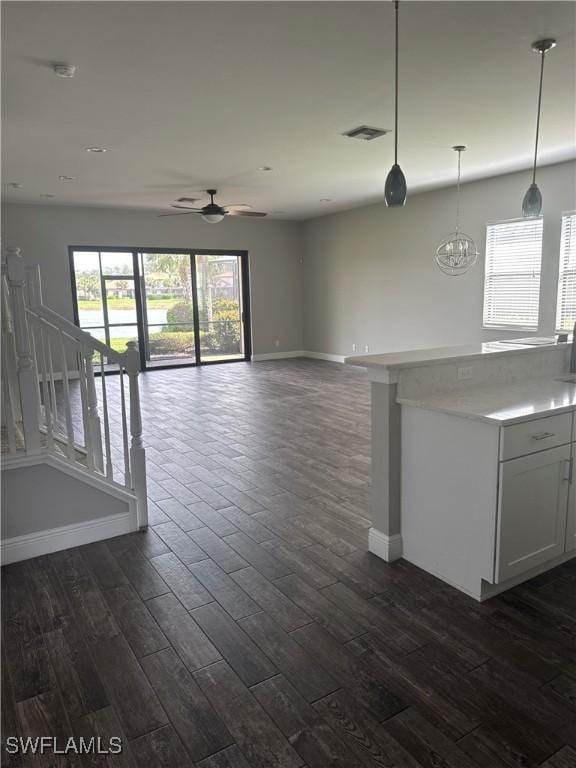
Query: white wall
x: 370, y: 276
x: 40, y: 497
x: 44, y: 232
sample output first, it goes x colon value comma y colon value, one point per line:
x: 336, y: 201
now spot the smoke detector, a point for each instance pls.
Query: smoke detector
x: 62, y: 69
x: 366, y: 133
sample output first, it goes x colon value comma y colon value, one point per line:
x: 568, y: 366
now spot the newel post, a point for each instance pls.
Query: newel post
x: 27, y: 375
x: 137, y: 451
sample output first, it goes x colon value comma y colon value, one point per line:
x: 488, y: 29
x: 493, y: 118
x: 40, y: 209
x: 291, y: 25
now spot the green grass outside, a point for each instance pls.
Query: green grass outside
x: 164, y: 302
x: 173, y: 342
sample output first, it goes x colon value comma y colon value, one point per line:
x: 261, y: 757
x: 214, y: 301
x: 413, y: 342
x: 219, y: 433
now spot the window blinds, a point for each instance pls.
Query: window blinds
x: 512, y: 274
x: 566, y: 306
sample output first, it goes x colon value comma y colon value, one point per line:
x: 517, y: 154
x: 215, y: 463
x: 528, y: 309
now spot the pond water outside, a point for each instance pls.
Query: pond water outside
x: 90, y: 318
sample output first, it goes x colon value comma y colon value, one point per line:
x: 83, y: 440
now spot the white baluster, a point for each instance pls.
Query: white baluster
x: 85, y: 419
x: 34, y: 327
x: 46, y: 391
x: 27, y: 380
x: 137, y: 451
x: 109, y: 470
x: 54, y: 407
x: 8, y: 412
x: 71, y: 451
x: 93, y: 415
x: 126, y: 447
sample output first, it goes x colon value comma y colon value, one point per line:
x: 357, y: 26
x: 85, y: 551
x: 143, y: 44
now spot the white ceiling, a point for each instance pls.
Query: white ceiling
x: 189, y: 95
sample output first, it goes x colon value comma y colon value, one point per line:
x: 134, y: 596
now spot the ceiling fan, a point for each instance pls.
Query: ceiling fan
x: 212, y: 212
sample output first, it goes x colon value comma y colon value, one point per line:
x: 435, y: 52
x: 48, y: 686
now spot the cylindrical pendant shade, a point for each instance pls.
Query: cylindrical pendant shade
x: 532, y: 203
x: 395, y: 188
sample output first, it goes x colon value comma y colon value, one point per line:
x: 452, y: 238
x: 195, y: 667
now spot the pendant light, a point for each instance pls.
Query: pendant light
x: 458, y: 253
x: 532, y: 203
x: 395, y: 187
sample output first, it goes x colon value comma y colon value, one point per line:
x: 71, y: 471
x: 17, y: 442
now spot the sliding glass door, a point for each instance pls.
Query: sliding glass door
x: 183, y: 307
x: 220, y: 306
x: 168, y: 307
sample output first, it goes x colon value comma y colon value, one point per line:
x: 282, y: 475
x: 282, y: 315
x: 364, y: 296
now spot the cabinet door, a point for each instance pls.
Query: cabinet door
x: 571, y: 519
x: 532, y: 511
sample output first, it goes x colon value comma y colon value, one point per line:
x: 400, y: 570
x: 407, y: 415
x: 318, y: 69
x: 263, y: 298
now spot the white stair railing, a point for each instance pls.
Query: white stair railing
x: 58, y: 410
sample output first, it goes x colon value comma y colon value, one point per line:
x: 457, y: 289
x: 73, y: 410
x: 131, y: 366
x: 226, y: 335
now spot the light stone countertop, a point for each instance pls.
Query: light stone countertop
x: 416, y: 358
x: 503, y: 404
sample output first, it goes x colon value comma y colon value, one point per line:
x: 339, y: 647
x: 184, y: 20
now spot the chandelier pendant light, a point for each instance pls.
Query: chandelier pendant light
x: 458, y: 253
x: 395, y: 187
x: 532, y: 203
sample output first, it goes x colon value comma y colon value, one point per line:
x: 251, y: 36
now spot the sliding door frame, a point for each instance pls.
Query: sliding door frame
x: 246, y: 318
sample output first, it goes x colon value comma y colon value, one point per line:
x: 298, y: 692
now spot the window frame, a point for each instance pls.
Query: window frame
x: 503, y: 326
x: 563, y: 215
x: 246, y: 305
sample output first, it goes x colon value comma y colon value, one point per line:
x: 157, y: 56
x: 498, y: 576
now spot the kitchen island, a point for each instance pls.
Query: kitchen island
x: 472, y: 454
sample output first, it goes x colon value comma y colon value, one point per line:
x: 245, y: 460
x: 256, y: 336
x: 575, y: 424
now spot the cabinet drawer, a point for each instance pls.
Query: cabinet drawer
x: 531, y: 436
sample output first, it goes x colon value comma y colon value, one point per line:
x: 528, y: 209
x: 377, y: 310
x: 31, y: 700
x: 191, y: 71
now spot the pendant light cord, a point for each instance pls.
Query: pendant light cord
x: 458, y: 193
x: 543, y: 54
x: 396, y: 87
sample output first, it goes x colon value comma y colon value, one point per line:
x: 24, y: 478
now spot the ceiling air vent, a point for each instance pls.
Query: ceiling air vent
x: 366, y: 133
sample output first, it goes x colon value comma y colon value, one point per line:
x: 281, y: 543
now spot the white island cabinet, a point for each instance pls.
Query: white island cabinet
x: 485, y: 506
x: 472, y: 453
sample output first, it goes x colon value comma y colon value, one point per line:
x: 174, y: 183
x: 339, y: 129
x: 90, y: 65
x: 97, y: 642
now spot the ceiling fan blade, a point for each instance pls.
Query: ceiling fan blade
x: 243, y: 206
x: 246, y: 213
x: 186, y: 207
x: 184, y: 213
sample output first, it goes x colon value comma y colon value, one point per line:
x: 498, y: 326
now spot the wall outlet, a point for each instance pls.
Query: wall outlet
x: 366, y: 348
x: 465, y: 372
x: 277, y: 343
x: 353, y: 347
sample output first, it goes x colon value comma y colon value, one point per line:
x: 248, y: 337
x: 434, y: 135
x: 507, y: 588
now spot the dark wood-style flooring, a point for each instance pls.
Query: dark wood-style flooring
x: 250, y: 627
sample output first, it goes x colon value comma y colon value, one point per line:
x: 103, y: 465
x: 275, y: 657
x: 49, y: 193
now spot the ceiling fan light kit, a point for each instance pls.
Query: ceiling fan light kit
x: 457, y: 253
x: 212, y: 212
x: 395, y: 188
x: 532, y: 202
x: 212, y: 218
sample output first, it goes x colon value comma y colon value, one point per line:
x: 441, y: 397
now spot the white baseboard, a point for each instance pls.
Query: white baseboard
x: 389, y: 548
x: 277, y: 355
x: 325, y: 356
x: 66, y: 536
x: 298, y: 353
